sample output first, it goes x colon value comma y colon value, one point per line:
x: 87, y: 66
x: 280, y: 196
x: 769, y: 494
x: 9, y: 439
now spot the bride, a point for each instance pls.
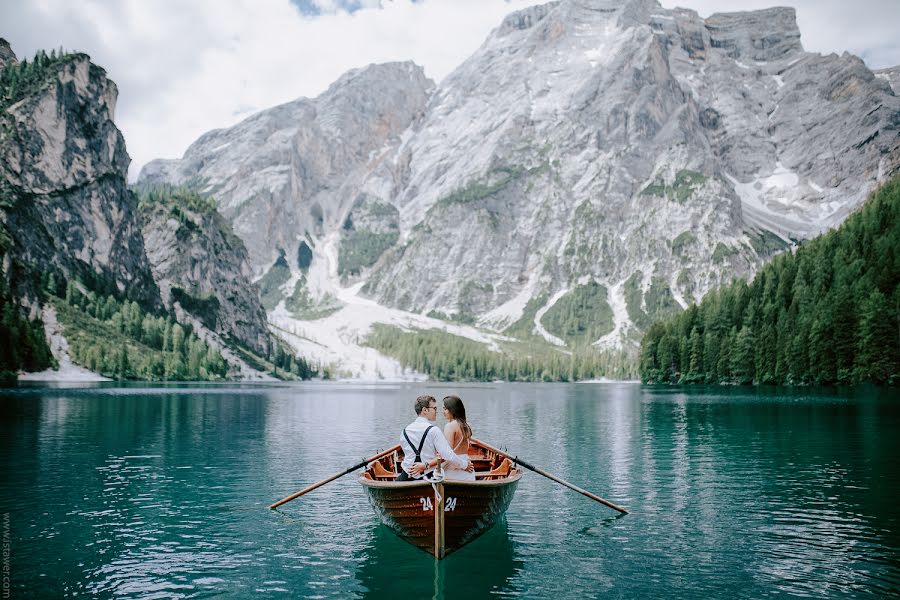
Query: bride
x: 458, y: 433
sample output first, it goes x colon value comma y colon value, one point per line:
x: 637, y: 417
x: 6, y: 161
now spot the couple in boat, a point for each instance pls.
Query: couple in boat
x: 424, y: 445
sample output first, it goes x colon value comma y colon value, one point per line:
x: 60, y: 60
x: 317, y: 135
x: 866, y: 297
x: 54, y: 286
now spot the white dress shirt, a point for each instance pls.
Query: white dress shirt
x: 435, y: 442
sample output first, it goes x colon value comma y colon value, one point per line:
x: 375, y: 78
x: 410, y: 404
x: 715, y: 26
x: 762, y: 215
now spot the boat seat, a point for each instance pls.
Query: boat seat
x: 380, y: 473
x: 500, y: 472
x: 481, y: 464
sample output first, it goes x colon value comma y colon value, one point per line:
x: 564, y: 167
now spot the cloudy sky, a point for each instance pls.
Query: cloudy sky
x: 184, y: 68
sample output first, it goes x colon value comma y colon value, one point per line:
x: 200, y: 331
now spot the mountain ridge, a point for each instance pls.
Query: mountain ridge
x: 647, y: 151
x: 74, y: 245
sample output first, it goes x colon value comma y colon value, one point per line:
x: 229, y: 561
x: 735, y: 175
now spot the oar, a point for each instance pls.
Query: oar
x: 335, y: 476
x: 551, y: 476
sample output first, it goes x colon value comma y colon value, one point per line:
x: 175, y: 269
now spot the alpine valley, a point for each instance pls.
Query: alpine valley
x: 595, y: 166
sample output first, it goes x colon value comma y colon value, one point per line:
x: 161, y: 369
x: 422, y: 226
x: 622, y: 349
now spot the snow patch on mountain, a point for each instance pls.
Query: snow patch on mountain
x: 539, y: 327
x: 776, y: 202
x: 510, y: 312
x: 337, y: 341
x: 616, y: 339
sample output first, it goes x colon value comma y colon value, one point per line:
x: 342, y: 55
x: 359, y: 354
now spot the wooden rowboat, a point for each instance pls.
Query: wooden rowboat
x: 441, y: 517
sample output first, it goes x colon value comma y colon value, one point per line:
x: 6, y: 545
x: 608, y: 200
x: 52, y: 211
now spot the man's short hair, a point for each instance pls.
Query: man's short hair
x: 422, y: 402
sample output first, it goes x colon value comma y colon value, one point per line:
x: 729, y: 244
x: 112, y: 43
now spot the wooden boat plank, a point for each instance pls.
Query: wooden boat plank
x: 471, y: 508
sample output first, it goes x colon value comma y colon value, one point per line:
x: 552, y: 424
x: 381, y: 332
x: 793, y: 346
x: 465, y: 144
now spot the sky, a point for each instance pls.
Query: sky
x: 184, y: 68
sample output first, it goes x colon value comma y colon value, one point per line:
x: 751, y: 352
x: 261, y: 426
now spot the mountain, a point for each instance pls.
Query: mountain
x: 593, y: 166
x: 65, y: 203
x: 201, y: 266
x: 827, y: 314
x: 631, y: 146
x: 288, y: 171
x: 77, y: 253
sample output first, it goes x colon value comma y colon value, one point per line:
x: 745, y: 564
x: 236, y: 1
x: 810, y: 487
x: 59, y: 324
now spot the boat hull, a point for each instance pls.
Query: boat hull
x: 469, y: 509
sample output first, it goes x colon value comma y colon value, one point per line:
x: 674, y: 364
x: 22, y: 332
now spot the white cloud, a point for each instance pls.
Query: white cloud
x: 184, y: 68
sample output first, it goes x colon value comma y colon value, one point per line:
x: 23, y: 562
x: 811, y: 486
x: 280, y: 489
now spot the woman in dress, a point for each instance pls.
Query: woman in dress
x: 458, y: 433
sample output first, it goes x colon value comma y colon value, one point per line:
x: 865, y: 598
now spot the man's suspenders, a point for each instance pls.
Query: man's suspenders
x: 421, y: 442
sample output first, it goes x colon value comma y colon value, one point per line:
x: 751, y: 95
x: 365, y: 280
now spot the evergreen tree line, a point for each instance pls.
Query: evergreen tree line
x: 286, y: 361
x: 447, y: 357
x: 179, y: 201
x: 141, y: 345
x: 827, y: 314
x: 23, y: 344
x: 20, y: 80
x: 580, y: 317
x: 176, y: 198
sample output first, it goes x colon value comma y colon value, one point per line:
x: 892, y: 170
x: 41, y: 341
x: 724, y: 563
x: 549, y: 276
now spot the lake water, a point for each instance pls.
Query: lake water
x: 159, y: 492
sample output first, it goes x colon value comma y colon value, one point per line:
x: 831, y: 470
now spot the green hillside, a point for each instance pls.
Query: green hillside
x: 827, y: 314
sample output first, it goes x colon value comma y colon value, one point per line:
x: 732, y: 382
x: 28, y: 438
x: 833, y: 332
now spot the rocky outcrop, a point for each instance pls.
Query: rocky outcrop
x: 648, y: 151
x: 7, y: 56
x: 65, y: 204
x: 759, y: 36
x: 605, y: 141
x: 202, y: 268
x: 892, y: 76
x: 295, y: 169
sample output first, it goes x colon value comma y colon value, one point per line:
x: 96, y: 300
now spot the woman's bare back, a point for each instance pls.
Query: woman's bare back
x: 456, y: 438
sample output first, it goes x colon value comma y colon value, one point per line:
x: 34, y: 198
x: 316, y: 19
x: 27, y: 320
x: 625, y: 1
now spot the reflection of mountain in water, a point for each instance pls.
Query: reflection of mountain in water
x: 392, y: 568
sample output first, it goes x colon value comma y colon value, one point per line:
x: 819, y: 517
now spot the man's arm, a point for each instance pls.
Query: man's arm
x: 443, y: 448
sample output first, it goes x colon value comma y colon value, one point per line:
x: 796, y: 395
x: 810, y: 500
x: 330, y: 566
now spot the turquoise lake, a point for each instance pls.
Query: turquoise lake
x: 163, y: 492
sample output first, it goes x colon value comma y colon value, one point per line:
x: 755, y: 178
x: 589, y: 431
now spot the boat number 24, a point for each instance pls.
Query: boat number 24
x: 427, y: 504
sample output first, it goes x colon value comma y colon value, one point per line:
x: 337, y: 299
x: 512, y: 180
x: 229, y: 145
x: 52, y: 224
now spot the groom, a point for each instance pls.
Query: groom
x: 422, y: 441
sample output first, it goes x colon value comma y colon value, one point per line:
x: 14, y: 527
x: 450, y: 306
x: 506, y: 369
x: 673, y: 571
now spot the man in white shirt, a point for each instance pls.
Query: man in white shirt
x: 422, y: 441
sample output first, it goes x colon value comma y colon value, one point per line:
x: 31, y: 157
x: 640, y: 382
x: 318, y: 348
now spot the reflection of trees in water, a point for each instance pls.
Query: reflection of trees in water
x: 392, y: 568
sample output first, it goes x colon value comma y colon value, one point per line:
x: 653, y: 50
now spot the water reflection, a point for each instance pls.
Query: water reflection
x: 142, y: 491
x: 392, y: 568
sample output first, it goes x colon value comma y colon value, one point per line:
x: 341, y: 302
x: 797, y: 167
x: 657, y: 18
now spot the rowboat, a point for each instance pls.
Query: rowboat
x: 442, y: 516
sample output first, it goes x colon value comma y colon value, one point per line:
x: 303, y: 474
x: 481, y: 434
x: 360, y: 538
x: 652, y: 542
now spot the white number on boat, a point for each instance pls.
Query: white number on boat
x: 426, y: 504
x: 450, y: 505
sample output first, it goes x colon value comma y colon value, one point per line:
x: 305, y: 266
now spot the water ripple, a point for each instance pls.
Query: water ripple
x: 150, y: 492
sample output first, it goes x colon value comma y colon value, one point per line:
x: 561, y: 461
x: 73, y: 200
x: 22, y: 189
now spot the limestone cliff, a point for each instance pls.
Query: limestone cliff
x: 7, y: 56
x: 201, y: 267
x: 292, y: 169
x: 65, y: 210
x: 65, y: 206
x: 610, y: 149
x: 649, y: 150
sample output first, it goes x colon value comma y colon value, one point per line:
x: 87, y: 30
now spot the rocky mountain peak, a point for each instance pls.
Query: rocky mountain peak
x: 368, y: 103
x: 892, y: 76
x: 524, y: 19
x: 406, y: 72
x: 591, y: 152
x: 7, y: 56
x: 63, y: 166
x: 761, y: 35
x: 556, y: 19
x: 300, y: 158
